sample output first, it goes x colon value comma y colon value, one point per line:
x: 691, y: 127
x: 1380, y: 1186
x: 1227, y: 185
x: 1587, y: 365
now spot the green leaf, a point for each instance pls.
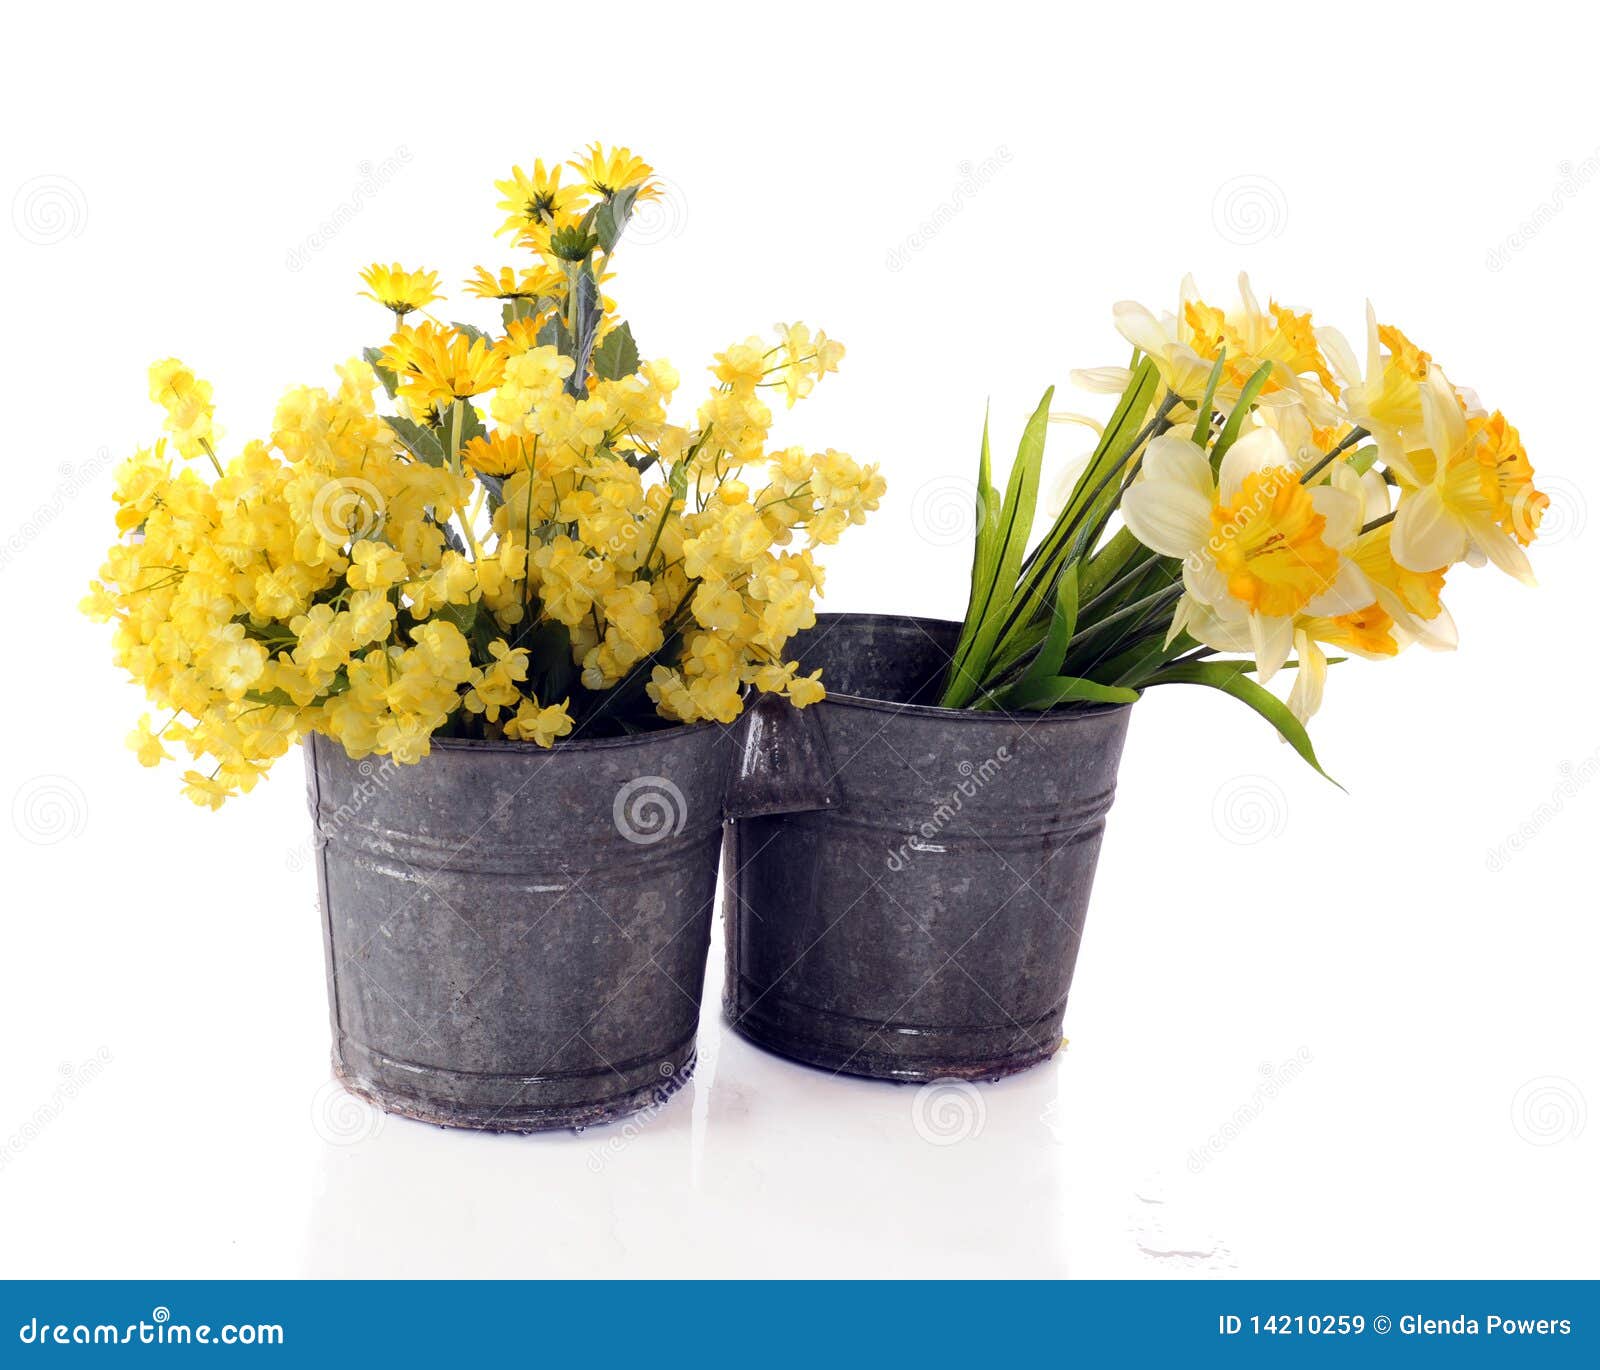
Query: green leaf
x: 1202, y: 415
x: 550, y: 668
x: 459, y: 424
x: 586, y: 312
x: 495, y: 487
x: 1093, y: 498
x: 611, y: 217
x: 373, y: 356
x: 519, y: 307
x: 986, y: 614
x: 1111, y: 451
x: 473, y: 334
x: 1053, y: 650
x: 1236, y: 417
x: 1066, y: 689
x: 464, y: 616
x: 985, y: 538
x: 1136, y: 666
x: 1232, y: 677
x: 1360, y: 461
x: 281, y: 698
x: 417, y: 440
x: 618, y: 354
x: 1106, y: 566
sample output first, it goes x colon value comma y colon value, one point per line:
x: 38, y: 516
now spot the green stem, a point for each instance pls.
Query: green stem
x: 1349, y: 440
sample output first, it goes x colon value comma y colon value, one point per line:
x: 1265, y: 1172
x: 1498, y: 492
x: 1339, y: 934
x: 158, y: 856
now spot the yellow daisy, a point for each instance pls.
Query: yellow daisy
x: 513, y: 283
x: 607, y: 171
x: 400, y: 290
x: 533, y: 198
x: 499, y: 454
x: 439, y: 365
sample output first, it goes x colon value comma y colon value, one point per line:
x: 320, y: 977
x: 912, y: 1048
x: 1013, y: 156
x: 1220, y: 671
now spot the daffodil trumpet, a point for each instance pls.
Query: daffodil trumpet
x: 1257, y: 496
x: 525, y: 546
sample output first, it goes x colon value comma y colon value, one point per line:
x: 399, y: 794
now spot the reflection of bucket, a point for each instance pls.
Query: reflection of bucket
x: 516, y: 938
x: 926, y: 923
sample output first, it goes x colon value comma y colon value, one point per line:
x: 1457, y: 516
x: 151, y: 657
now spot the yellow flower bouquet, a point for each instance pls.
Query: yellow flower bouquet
x: 1257, y: 497
x: 527, y: 548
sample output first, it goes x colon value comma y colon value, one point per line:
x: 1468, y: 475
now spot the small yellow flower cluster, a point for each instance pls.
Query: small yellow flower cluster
x: 557, y: 556
x: 632, y: 561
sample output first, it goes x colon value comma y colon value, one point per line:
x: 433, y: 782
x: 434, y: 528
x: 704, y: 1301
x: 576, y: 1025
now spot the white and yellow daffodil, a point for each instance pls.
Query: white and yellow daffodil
x: 1386, y: 399
x: 1259, y: 549
x: 1185, y: 346
x: 1409, y: 598
x: 1468, y: 495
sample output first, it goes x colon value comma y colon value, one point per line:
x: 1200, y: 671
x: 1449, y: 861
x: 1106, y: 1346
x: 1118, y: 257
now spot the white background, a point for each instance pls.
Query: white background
x: 161, y: 996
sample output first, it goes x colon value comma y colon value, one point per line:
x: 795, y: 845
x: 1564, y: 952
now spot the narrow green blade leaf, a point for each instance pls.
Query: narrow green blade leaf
x: 1067, y: 689
x: 1236, y: 418
x: 1202, y: 415
x: 988, y: 611
x: 1063, y: 620
x: 987, y: 511
x: 1231, y: 677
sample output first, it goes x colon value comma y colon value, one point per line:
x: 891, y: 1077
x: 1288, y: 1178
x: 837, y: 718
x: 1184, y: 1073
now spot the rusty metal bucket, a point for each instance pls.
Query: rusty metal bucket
x: 516, y: 939
x: 921, y: 918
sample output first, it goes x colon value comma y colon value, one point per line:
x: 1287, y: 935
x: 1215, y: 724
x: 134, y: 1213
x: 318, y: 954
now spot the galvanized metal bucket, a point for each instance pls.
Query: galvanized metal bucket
x: 516, y: 939
x: 921, y: 918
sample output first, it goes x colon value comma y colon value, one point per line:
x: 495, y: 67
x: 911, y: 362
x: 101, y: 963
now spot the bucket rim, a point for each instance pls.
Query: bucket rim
x: 1056, y: 717
x: 561, y: 747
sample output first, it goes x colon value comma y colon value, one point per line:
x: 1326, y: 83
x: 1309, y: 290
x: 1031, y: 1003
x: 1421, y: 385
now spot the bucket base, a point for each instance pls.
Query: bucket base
x: 522, y: 1109
x: 904, y: 1055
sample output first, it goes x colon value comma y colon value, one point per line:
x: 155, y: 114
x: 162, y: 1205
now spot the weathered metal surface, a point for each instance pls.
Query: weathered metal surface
x: 925, y: 924
x: 516, y: 938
